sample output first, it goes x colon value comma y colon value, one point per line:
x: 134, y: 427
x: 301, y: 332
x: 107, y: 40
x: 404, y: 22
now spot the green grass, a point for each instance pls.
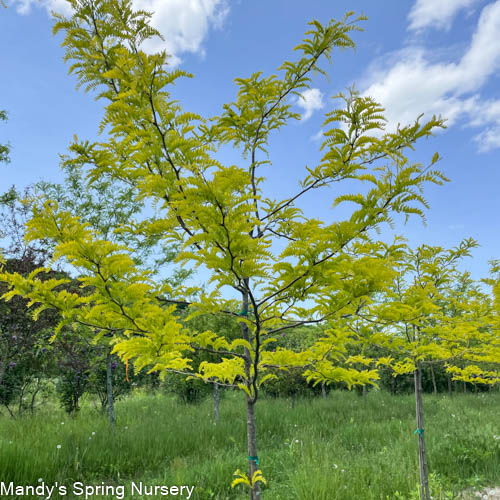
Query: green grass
x: 338, y: 448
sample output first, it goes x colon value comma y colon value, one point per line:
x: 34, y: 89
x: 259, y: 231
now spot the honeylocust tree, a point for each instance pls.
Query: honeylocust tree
x: 494, y: 282
x: 482, y: 359
x: 271, y: 267
x: 431, y: 313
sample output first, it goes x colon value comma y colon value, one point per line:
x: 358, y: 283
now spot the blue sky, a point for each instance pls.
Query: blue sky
x: 415, y: 56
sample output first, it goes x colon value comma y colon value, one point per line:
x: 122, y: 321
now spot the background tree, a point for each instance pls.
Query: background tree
x: 430, y: 314
x: 483, y: 356
x: 25, y: 362
x: 74, y: 360
x: 194, y: 389
x: 121, y: 378
x: 15, y: 211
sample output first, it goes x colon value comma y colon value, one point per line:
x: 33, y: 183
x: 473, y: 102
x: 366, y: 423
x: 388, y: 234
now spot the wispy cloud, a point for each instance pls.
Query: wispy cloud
x: 456, y: 227
x: 436, y: 13
x: 59, y: 6
x: 487, y: 116
x: 318, y: 136
x: 184, y: 24
x: 416, y: 83
x: 310, y: 100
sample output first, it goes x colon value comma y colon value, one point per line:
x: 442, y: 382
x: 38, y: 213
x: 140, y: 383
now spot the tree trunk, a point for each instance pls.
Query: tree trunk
x: 253, y: 460
x: 434, y: 386
x: 36, y: 390
x: 323, y: 389
x: 465, y: 387
x: 3, y: 366
x: 293, y: 400
x: 450, y: 386
x: 11, y: 413
x: 364, y: 392
x: 216, y: 403
x: 109, y: 390
x: 21, y: 396
x: 422, y: 454
x: 2, y: 370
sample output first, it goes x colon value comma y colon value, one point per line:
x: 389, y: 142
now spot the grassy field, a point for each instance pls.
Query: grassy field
x: 340, y: 447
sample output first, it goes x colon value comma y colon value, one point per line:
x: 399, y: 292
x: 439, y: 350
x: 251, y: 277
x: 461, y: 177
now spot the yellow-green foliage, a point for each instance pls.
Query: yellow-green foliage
x: 242, y: 478
x: 219, y: 214
x: 433, y: 312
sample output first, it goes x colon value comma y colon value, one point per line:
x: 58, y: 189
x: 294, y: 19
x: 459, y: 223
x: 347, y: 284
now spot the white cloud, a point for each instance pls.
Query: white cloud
x: 59, y: 6
x: 183, y: 23
x: 488, y: 117
x: 414, y: 84
x: 318, y: 136
x: 436, y: 13
x: 488, y: 139
x: 310, y: 100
